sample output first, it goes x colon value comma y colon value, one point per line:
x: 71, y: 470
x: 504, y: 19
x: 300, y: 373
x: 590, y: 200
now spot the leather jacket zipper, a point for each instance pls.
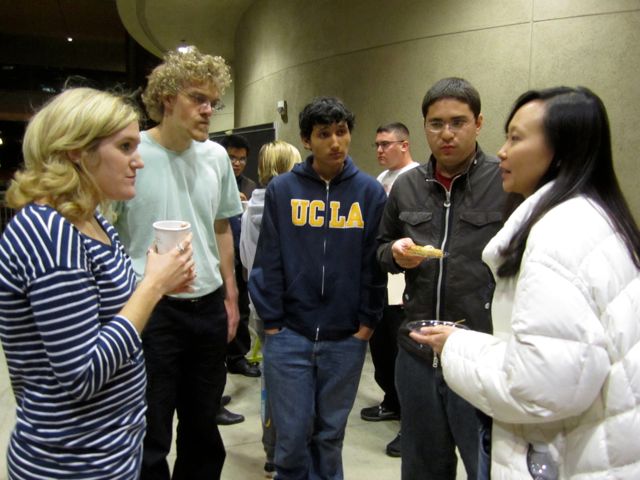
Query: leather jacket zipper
x: 443, y: 243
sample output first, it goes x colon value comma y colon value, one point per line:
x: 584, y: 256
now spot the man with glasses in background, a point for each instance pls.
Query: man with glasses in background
x: 393, y: 152
x: 238, y: 148
x: 187, y: 177
x: 453, y: 202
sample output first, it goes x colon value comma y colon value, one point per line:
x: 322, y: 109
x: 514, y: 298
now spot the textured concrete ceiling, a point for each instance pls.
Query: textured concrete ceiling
x: 163, y: 25
x: 35, y: 32
x: 81, y: 19
x: 36, y: 57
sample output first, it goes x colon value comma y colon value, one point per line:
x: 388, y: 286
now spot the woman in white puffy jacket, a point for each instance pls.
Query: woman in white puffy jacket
x: 562, y: 372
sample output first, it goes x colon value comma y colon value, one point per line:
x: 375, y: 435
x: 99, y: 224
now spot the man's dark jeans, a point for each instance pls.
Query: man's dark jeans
x: 434, y: 421
x: 384, y: 348
x: 184, y: 348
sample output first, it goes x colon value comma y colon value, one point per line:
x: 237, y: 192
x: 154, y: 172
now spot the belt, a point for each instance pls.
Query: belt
x: 190, y: 300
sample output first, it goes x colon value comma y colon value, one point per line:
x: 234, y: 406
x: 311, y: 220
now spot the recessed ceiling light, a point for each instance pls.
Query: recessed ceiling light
x: 69, y: 39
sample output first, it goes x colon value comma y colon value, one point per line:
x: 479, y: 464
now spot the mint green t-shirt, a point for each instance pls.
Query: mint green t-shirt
x: 196, y: 185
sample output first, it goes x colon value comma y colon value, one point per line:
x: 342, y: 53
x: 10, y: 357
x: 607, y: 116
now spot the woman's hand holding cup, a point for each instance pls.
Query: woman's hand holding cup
x: 174, y: 270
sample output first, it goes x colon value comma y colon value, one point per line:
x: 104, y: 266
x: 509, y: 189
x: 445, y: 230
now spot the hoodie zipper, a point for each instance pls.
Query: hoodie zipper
x: 324, y: 248
x: 324, y: 238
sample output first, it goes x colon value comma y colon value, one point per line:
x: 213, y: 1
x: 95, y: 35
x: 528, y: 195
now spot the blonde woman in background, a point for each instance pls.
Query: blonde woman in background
x: 274, y: 158
x: 70, y: 311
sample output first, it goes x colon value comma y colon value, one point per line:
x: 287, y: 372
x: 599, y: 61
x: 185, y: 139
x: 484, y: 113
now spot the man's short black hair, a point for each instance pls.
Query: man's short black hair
x: 235, y: 141
x: 398, y: 128
x: 452, y: 87
x: 324, y: 111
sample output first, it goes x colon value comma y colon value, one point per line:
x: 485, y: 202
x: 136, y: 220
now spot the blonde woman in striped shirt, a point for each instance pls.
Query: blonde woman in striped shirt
x: 70, y: 311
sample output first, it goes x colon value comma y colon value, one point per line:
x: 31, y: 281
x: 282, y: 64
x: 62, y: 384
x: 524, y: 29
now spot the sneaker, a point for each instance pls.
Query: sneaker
x: 269, y: 470
x: 393, y: 449
x: 378, y: 413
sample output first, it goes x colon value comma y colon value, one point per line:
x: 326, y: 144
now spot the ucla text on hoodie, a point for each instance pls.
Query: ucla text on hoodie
x: 313, y: 213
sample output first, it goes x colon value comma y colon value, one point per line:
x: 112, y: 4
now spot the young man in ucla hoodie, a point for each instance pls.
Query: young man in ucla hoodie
x: 318, y: 288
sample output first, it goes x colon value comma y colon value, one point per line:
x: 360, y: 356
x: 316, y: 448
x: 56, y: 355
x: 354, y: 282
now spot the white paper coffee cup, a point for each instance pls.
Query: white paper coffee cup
x: 169, y: 233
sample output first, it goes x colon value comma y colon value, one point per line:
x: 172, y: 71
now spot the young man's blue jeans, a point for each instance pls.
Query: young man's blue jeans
x: 434, y: 421
x: 312, y: 387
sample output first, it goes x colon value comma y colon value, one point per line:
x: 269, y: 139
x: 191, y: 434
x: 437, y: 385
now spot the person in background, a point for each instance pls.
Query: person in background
x: 317, y: 287
x: 393, y: 152
x: 237, y: 148
x: 70, y: 311
x: 188, y: 177
x: 274, y: 158
x: 453, y: 202
x: 562, y: 383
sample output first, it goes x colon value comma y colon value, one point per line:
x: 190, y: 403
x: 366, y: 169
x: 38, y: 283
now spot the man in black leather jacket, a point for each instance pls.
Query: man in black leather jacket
x: 453, y: 202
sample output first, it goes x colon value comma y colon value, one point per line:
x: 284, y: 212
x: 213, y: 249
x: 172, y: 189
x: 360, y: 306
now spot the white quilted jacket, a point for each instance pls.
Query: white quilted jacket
x: 564, y: 364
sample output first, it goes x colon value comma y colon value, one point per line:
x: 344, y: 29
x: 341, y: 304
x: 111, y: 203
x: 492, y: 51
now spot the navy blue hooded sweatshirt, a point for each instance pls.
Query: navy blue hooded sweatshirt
x: 315, y: 269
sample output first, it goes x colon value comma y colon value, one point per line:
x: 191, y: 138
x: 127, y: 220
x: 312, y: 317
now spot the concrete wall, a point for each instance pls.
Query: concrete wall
x: 224, y: 120
x: 380, y: 57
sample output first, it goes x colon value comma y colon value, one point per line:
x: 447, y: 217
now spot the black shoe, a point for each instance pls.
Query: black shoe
x: 225, y: 417
x: 224, y: 401
x: 393, y: 449
x: 243, y: 367
x: 378, y: 413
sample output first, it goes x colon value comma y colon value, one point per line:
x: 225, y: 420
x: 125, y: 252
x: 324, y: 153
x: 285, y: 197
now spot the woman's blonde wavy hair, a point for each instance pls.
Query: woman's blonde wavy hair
x: 275, y: 158
x: 180, y: 70
x: 74, y: 121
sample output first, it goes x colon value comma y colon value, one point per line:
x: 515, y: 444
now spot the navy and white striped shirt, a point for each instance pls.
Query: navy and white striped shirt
x: 76, y: 366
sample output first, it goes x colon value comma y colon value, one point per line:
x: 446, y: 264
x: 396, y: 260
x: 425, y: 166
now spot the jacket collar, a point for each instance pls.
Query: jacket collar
x: 429, y: 172
x: 491, y: 254
x: 306, y: 169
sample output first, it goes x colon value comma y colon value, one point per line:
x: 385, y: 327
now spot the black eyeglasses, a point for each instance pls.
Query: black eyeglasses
x: 203, y: 101
x: 454, y: 126
x: 385, y: 145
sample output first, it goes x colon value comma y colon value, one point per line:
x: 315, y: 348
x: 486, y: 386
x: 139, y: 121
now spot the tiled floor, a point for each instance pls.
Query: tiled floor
x: 363, y: 454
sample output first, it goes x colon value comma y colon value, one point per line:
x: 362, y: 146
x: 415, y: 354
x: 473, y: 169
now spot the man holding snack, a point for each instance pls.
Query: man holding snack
x: 436, y: 222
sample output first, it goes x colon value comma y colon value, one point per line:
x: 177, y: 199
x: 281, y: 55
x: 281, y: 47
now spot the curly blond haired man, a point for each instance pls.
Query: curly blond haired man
x: 188, y: 178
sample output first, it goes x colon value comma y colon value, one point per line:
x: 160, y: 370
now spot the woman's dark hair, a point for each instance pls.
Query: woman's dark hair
x: 576, y: 128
